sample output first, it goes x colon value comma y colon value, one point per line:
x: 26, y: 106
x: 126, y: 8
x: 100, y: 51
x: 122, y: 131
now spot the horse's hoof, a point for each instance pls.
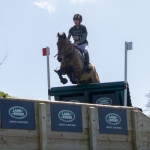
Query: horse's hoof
x: 73, y: 81
x: 64, y: 81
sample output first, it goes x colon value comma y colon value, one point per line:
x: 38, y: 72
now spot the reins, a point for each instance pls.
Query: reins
x: 64, y: 54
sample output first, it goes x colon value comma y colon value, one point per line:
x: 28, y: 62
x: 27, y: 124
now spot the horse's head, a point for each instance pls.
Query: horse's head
x: 63, y: 45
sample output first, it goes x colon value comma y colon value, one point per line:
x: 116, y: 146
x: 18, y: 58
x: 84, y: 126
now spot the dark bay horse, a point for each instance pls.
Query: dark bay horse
x: 72, y: 64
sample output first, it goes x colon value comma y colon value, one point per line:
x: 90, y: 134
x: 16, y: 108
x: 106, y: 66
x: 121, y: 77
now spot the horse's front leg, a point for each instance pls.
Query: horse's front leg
x: 60, y: 72
x: 71, y: 75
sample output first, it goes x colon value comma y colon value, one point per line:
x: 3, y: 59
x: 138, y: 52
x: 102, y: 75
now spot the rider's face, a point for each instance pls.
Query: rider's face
x: 76, y: 22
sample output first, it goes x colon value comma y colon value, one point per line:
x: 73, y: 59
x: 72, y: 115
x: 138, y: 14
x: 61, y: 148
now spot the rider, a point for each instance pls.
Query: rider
x: 79, y: 34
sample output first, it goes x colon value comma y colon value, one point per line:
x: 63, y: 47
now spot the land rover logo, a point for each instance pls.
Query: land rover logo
x: 104, y: 101
x: 113, y: 119
x: 17, y: 112
x: 66, y: 115
x: 74, y: 101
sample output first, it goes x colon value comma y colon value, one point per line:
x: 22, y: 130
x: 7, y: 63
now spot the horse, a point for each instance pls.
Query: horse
x: 72, y: 63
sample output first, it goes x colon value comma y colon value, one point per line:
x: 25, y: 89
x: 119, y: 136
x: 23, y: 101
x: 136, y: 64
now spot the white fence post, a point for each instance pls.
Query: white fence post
x: 92, y: 128
x: 43, y: 126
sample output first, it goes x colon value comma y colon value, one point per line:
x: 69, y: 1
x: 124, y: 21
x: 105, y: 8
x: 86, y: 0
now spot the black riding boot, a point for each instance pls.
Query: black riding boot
x: 87, y: 59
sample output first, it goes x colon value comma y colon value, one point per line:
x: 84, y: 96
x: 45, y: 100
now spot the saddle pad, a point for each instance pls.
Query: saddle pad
x: 79, y: 53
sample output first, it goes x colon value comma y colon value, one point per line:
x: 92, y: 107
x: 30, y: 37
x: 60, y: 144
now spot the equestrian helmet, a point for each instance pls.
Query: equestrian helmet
x: 77, y: 17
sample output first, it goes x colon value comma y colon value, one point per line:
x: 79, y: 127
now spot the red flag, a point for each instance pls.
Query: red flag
x: 46, y: 51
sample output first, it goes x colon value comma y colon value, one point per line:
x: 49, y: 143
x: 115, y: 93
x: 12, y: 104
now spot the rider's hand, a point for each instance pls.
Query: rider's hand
x: 75, y: 44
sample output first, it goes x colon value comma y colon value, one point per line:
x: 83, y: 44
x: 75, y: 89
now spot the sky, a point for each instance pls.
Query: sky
x: 27, y: 26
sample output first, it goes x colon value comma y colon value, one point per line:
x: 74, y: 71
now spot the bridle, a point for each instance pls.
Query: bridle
x: 64, y: 54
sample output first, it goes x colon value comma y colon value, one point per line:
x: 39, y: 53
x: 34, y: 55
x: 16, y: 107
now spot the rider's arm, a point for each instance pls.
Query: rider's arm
x: 84, y: 35
x: 82, y: 39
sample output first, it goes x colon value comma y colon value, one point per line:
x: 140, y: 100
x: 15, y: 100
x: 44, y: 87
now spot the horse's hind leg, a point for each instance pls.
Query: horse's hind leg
x: 95, y: 77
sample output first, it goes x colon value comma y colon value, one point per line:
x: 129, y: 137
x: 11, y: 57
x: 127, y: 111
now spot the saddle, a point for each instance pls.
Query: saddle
x: 79, y: 52
x: 83, y: 57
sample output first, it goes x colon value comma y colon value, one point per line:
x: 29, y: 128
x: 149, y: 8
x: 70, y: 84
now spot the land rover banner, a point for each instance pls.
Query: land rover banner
x: 104, y: 99
x: 66, y: 118
x: 112, y: 121
x: 17, y: 114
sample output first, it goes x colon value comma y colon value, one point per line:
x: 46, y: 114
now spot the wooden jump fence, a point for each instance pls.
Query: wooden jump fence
x: 138, y: 137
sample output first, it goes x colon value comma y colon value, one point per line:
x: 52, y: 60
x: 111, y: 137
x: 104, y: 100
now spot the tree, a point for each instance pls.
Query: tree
x: 148, y: 103
x: 3, y: 59
x: 4, y: 95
